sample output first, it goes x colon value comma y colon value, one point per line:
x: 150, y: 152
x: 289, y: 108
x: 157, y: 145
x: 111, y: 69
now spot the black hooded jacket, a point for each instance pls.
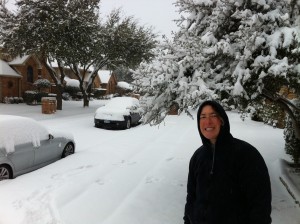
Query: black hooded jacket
x: 227, y: 184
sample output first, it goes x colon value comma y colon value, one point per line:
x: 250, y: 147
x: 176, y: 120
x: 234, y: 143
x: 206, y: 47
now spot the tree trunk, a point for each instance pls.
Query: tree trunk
x: 59, y: 98
x: 53, y: 75
x: 86, y: 101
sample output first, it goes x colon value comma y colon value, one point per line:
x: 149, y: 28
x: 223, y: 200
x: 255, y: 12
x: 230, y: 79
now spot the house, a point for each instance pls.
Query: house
x: 106, y: 81
x: 19, y: 74
x: 10, y: 81
x: 31, y: 69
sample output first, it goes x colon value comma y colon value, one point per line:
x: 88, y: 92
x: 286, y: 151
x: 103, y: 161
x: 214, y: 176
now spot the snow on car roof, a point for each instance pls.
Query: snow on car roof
x: 123, y: 102
x: 16, y: 130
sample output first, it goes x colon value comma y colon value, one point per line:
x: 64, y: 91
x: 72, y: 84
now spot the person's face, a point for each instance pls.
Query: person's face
x: 210, y: 123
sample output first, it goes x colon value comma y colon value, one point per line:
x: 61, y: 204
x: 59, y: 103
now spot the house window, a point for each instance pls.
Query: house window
x: 10, y: 84
x: 29, y: 74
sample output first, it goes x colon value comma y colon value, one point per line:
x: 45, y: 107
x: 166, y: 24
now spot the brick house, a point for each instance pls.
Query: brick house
x: 31, y: 69
x: 10, y: 81
x: 19, y: 74
x: 106, y: 81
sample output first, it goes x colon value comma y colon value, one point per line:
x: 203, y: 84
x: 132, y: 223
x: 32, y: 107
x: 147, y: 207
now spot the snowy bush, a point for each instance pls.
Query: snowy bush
x: 72, y: 90
x: 66, y: 96
x: 269, y: 113
x: 99, y: 93
x: 34, y: 97
x: 30, y: 96
x: 42, y: 84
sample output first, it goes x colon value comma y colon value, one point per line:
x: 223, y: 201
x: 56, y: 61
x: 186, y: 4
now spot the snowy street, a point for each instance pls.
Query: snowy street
x: 135, y: 176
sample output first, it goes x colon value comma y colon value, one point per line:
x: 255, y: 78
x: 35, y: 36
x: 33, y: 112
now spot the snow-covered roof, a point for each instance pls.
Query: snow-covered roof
x: 72, y: 82
x: 124, y: 85
x: 19, y: 60
x: 104, y: 75
x: 6, y: 70
x: 87, y: 76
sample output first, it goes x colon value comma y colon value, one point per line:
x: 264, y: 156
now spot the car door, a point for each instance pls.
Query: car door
x: 22, y: 157
x: 48, y: 150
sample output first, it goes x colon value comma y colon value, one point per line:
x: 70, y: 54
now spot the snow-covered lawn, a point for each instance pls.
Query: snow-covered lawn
x: 135, y: 176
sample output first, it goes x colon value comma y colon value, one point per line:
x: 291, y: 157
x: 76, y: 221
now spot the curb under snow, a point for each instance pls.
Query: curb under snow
x: 290, y: 180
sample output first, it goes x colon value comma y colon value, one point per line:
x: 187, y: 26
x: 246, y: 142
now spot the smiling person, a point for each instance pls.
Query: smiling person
x: 228, y: 181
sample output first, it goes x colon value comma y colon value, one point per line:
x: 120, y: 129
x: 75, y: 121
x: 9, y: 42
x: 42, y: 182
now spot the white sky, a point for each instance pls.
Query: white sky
x: 157, y: 13
x: 126, y: 176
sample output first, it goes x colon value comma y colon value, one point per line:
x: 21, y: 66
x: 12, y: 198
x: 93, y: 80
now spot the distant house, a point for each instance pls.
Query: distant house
x: 31, y: 69
x: 19, y: 74
x: 10, y: 81
x: 106, y: 81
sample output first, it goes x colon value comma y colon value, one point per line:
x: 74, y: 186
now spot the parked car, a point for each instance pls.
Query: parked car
x: 26, y: 145
x: 119, y: 112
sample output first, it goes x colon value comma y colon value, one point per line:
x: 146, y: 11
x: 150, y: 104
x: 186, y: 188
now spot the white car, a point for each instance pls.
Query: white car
x: 26, y: 145
x: 119, y: 112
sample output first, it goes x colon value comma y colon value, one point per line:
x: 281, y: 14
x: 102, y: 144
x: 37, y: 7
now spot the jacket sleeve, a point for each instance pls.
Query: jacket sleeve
x: 191, y: 189
x: 255, y: 185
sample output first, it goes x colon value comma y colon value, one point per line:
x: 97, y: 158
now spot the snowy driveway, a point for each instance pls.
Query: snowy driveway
x: 135, y: 176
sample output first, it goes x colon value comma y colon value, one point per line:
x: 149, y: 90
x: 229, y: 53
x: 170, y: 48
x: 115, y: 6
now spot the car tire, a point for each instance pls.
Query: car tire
x: 5, y: 172
x: 127, y: 123
x: 68, y: 150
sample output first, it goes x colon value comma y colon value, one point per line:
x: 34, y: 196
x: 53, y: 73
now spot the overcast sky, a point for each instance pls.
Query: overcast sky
x: 156, y: 13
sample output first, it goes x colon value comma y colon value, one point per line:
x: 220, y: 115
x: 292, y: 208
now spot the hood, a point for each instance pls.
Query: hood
x: 224, y: 134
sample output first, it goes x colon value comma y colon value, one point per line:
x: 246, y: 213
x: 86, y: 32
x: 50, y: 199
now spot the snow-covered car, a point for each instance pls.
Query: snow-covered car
x: 26, y: 145
x: 119, y: 112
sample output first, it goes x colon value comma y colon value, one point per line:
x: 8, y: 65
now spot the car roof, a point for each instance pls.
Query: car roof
x: 119, y: 101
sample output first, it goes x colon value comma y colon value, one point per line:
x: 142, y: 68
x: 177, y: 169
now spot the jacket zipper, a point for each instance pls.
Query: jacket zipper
x: 213, y: 161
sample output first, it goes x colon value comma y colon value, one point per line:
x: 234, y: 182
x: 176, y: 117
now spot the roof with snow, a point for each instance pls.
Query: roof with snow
x: 124, y: 85
x: 6, y: 70
x: 19, y: 60
x: 104, y: 75
x: 72, y: 82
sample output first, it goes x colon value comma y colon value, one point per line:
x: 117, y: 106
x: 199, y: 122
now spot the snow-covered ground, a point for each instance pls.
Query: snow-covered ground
x: 135, y: 176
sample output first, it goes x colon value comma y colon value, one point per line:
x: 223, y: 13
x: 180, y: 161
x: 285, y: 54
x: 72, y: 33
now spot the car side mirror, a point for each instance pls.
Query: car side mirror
x: 51, y: 137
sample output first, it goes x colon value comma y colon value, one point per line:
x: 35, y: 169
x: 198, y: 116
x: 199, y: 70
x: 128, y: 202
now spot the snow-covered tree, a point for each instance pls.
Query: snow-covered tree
x: 48, y: 29
x: 42, y: 84
x: 239, y: 52
x: 121, y: 41
x: 72, y: 33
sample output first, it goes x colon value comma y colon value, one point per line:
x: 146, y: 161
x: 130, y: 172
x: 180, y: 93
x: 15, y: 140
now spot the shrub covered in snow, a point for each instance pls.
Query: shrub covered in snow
x: 33, y: 97
x: 42, y: 84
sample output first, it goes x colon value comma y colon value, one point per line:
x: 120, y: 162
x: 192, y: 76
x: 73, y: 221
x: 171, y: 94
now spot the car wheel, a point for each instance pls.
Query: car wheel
x: 5, y: 172
x: 127, y: 123
x: 68, y: 150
